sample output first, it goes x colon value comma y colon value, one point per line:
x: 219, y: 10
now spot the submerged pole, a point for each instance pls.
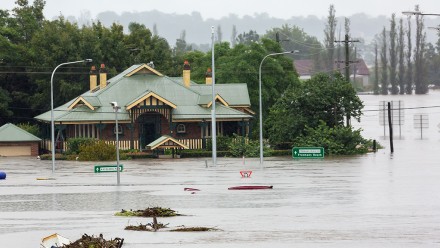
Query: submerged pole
x: 390, y: 125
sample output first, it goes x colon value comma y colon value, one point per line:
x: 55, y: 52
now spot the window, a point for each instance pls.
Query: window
x: 120, y: 129
x: 181, y: 128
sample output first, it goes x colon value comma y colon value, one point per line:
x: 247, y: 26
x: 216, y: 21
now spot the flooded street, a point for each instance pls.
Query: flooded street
x: 374, y: 200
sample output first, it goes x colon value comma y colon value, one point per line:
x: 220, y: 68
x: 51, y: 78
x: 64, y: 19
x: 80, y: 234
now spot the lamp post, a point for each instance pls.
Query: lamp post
x: 52, y: 122
x: 435, y: 28
x: 409, y: 13
x: 116, y: 108
x: 213, y: 121
x: 261, y: 105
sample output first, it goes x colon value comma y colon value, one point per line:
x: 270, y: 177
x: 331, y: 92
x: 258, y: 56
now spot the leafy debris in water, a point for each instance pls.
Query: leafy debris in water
x: 149, y: 212
x: 95, y: 242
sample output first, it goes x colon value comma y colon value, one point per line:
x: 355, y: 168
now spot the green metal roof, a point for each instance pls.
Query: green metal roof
x: 158, y: 142
x: 126, y: 90
x: 93, y: 100
x: 11, y: 133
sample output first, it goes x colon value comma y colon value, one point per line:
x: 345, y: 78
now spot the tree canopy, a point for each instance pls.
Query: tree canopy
x: 323, y: 98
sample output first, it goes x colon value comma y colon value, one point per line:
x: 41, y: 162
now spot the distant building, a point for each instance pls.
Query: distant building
x: 154, y: 107
x: 358, y: 71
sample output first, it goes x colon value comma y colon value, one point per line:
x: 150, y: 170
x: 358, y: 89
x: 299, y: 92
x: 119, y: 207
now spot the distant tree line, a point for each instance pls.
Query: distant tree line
x: 406, y: 68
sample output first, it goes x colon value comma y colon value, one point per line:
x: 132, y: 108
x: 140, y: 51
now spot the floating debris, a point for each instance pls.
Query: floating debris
x: 191, y: 189
x: 149, y: 212
x: 95, y: 242
x: 150, y: 227
x: 194, y: 229
x: 54, y: 240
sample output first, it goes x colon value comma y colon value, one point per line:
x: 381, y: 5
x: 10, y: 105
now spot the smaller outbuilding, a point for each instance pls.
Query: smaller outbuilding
x: 15, y: 141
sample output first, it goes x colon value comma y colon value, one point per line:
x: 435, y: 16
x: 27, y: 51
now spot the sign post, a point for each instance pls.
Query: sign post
x: 308, y: 152
x: 108, y: 168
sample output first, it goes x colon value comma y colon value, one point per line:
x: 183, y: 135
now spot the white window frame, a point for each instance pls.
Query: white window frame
x: 181, y: 128
x: 120, y: 129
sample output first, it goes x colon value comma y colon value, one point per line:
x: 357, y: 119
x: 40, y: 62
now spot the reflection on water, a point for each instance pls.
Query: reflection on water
x: 374, y: 200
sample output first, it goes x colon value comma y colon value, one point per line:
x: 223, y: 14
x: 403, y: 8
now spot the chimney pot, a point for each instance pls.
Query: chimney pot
x: 93, y: 78
x: 186, y: 74
x: 208, y: 76
x: 102, y: 77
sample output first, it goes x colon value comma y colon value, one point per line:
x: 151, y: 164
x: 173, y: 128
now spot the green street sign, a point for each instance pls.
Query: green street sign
x: 108, y: 168
x: 308, y: 152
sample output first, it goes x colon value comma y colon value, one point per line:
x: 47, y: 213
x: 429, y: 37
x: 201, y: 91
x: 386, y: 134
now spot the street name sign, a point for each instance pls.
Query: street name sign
x: 108, y: 168
x: 308, y: 152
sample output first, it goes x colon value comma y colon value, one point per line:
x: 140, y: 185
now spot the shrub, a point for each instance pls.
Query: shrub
x: 97, y: 151
x: 222, y: 143
x: 338, y: 140
x: 30, y: 128
x: 74, y: 143
x: 202, y: 153
x: 238, y: 148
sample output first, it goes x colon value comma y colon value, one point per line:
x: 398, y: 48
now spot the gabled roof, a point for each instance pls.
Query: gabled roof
x: 148, y: 97
x: 11, y: 133
x: 91, y: 102
x: 166, y: 142
x: 141, y: 84
x: 144, y: 69
x: 206, y: 100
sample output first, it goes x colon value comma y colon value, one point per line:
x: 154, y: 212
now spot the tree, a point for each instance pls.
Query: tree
x: 219, y: 34
x: 234, y: 36
x: 384, y: 63
x: 248, y: 38
x: 419, y: 60
x: 329, y: 40
x: 4, y: 106
x: 293, y: 38
x: 409, y: 74
x: 393, y: 55
x: 323, y: 98
x: 401, y: 51
x: 376, y: 89
x: 155, y: 32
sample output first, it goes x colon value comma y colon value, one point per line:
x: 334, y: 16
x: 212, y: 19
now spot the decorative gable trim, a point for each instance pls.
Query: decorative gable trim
x: 78, y: 100
x: 144, y: 69
x: 150, y: 99
x: 166, y: 142
x: 220, y: 99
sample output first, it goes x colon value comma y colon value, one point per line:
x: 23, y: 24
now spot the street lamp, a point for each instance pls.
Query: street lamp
x: 213, y: 121
x: 52, y: 123
x: 261, y: 105
x: 409, y: 13
x: 116, y: 108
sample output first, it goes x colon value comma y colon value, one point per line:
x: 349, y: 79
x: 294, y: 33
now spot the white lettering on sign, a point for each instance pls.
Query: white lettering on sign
x: 309, y: 151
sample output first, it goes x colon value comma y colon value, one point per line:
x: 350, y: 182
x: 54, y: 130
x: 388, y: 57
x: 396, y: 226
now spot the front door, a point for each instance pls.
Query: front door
x: 149, y: 129
x: 149, y: 133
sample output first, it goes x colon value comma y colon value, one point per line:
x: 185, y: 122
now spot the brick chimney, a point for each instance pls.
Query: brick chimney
x: 102, y: 77
x: 186, y: 74
x: 208, y: 76
x: 93, y: 78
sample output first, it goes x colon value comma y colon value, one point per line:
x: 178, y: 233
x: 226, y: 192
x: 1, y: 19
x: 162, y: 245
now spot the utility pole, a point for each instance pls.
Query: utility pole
x: 347, y: 62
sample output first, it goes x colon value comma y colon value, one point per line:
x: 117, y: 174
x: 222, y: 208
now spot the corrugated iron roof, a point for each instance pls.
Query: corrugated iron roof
x: 11, y: 133
x: 125, y: 90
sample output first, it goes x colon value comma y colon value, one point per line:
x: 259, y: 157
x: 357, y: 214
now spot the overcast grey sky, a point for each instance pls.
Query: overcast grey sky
x: 217, y: 9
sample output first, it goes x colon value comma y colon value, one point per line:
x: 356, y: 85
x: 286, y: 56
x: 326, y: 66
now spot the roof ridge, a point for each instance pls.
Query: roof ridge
x: 198, y: 93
